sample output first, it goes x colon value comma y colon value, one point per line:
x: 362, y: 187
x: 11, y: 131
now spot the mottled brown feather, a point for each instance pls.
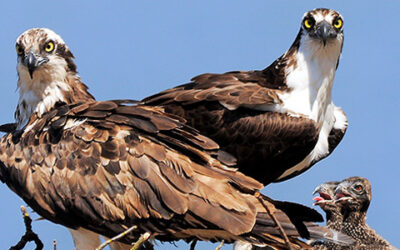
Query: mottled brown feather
x: 107, y: 175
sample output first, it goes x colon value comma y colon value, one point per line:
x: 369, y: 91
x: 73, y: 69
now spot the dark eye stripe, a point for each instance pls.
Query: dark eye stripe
x: 309, y: 19
x: 67, y: 55
x: 20, y: 49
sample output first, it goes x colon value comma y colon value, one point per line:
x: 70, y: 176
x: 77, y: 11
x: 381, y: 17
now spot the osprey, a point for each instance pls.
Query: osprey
x: 279, y: 121
x: 345, y: 204
x: 105, y: 166
x: 326, y: 200
x: 332, y: 209
x: 354, y: 194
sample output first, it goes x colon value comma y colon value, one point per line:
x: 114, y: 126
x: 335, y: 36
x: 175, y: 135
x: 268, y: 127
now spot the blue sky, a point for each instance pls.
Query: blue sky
x: 127, y: 49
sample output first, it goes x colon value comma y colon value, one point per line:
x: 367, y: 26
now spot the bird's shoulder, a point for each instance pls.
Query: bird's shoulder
x: 113, y: 153
x: 234, y: 89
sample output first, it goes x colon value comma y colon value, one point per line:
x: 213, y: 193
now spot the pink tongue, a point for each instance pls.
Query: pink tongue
x: 340, y: 195
x: 317, y: 198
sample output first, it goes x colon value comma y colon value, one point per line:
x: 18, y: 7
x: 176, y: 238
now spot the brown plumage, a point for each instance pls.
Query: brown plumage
x: 106, y: 166
x: 253, y: 137
x: 354, y: 194
x: 333, y: 213
x: 246, y: 112
x: 345, y: 204
x: 118, y: 165
x: 326, y: 200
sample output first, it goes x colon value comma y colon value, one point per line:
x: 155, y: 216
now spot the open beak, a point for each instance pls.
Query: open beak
x: 341, y: 194
x: 323, y: 196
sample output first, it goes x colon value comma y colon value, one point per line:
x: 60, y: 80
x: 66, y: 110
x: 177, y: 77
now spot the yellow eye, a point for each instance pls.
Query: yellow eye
x: 49, y: 47
x: 308, y: 23
x: 338, y: 23
x: 19, y: 50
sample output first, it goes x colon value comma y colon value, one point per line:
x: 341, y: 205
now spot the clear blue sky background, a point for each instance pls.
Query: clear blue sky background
x: 127, y: 49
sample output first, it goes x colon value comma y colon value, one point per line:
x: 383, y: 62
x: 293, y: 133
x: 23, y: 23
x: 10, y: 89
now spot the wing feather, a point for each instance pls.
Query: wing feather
x: 113, y: 166
x: 237, y: 110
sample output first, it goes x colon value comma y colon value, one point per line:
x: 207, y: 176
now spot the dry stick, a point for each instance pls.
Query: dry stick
x: 29, y: 234
x: 140, y: 241
x: 286, y: 239
x: 107, y: 242
x: 193, y: 244
x: 220, y: 245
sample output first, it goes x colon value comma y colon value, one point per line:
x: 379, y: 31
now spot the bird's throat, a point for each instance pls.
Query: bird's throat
x: 38, y: 97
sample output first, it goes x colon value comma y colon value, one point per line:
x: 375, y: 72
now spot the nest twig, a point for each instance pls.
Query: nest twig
x: 29, y: 234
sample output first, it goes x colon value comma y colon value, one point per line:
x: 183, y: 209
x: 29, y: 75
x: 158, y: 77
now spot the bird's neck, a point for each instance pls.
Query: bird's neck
x: 310, y: 70
x: 354, y: 216
x: 355, y: 226
x: 38, y: 96
x: 334, y: 219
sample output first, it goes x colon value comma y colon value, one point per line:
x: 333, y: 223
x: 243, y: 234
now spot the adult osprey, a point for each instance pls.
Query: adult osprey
x: 108, y: 165
x: 279, y: 121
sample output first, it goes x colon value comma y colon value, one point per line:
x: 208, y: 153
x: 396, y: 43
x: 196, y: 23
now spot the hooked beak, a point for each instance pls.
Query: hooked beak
x: 317, y: 189
x: 341, y: 194
x: 323, y: 196
x: 32, y: 62
x: 324, y: 31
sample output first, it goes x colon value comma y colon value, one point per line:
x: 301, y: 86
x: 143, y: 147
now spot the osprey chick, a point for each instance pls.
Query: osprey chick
x: 333, y: 212
x: 345, y: 204
x: 354, y: 194
x: 326, y: 200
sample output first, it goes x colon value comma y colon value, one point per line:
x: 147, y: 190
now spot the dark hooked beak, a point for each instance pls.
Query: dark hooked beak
x: 324, y: 31
x: 31, y: 62
x: 317, y: 189
x: 341, y: 193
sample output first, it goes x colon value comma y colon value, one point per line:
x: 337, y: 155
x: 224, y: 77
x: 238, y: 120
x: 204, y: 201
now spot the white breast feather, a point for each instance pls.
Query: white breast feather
x: 340, y: 119
x: 311, y: 82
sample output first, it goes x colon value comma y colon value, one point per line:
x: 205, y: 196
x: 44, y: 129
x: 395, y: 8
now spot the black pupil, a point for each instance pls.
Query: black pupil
x: 48, y: 46
x: 309, y: 22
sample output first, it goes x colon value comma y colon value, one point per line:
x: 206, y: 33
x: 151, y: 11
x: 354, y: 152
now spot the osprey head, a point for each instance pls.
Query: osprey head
x: 326, y: 195
x: 323, y: 26
x: 42, y: 54
x: 354, y: 193
x: 46, y: 74
x: 325, y: 191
